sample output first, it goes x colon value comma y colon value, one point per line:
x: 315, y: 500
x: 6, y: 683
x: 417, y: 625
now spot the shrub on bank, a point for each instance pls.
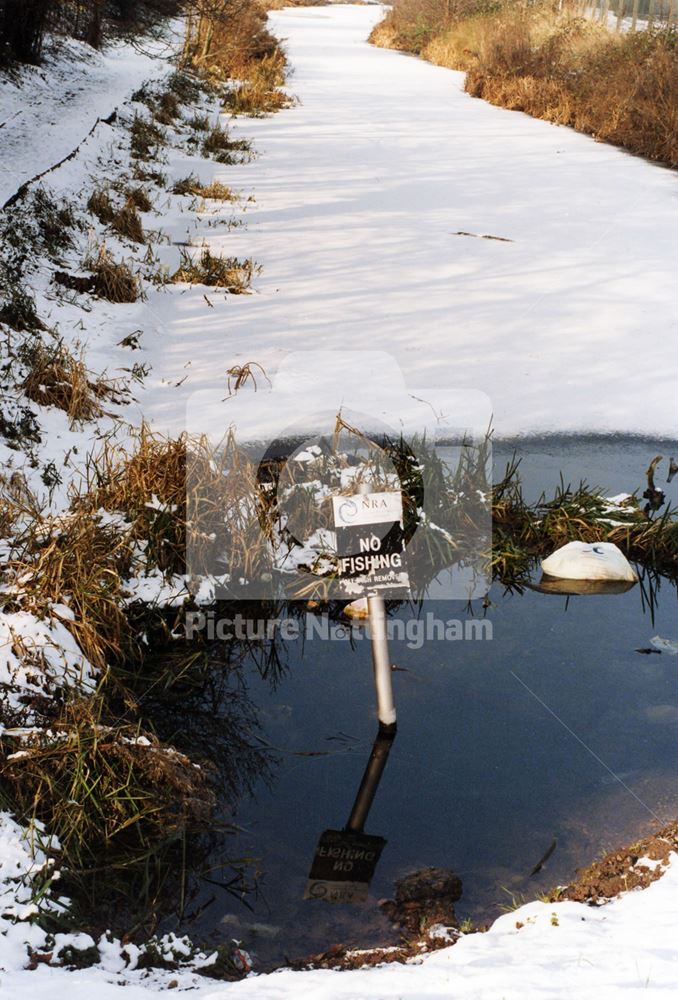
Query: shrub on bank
x: 547, y: 60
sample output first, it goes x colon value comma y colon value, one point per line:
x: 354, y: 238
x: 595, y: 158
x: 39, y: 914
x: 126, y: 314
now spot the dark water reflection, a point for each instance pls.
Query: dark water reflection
x: 502, y: 745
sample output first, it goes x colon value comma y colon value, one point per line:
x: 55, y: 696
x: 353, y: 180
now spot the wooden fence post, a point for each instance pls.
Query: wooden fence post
x: 621, y: 5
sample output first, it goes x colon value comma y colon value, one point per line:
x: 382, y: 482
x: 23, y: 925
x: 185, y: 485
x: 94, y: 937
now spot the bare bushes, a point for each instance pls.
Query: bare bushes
x: 547, y: 60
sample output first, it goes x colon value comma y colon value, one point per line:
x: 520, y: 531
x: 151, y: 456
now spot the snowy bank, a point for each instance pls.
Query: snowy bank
x: 540, y: 951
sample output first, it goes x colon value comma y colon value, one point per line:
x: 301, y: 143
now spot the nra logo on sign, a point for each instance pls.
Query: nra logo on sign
x: 371, y: 542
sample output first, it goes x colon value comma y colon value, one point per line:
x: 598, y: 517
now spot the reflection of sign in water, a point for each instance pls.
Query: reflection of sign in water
x: 371, y: 542
x: 343, y: 866
x: 345, y: 860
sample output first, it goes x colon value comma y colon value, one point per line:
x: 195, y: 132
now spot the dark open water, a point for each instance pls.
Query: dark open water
x: 502, y: 745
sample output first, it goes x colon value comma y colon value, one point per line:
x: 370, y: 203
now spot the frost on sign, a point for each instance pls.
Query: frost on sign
x: 371, y: 543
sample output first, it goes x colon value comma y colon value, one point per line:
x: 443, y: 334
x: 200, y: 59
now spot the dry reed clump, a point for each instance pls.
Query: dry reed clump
x: 181, y: 492
x: 112, y: 280
x: 231, y: 273
x: 166, y: 109
x: 255, y: 101
x: 218, y: 145
x: 124, y: 221
x: 57, y: 378
x: 102, y: 788
x: 153, y: 176
x: 145, y: 138
x: 199, y: 123
x: 101, y: 206
x: 54, y: 220
x: 139, y: 197
x: 215, y: 189
x: 17, y: 306
x: 226, y: 38
x: 186, y: 87
x: 127, y: 223
x: 148, y: 487
x: 77, y: 561
x: 259, y: 91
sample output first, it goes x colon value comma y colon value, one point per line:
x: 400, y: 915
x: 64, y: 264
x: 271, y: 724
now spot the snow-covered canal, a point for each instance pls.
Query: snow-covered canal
x: 361, y: 192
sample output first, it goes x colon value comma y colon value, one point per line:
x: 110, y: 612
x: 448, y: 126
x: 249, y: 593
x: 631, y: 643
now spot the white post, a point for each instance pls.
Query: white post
x: 650, y: 14
x: 383, y: 673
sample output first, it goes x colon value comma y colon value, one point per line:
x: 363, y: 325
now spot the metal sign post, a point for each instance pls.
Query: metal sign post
x: 371, y: 562
x: 383, y: 670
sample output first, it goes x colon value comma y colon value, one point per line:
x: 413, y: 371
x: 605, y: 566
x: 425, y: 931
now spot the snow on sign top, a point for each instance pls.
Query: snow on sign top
x: 367, y: 508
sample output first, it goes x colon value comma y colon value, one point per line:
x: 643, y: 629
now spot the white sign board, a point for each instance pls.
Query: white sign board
x: 371, y: 543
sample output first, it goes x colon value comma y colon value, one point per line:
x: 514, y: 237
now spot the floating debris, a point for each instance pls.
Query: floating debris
x: 585, y: 561
x: 483, y: 236
x: 669, y: 646
x: 542, y: 861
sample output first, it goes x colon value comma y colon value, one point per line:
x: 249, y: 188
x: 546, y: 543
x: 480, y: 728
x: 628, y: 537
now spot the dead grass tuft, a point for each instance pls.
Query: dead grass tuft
x: 127, y: 223
x: 154, y: 176
x: 216, y: 190
x: 54, y: 219
x: 231, y: 273
x: 186, y: 87
x: 167, y: 108
x: 100, y: 205
x: 112, y: 280
x: 139, y: 197
x: 17, y: 308
x: 255, y: 101
x: 108, y: 789
x: 57, y: 378
x: 199, y: 123
x: 145, y: 138
x: 218, y: 145
x: 259, y: 92
x: 77, y: 561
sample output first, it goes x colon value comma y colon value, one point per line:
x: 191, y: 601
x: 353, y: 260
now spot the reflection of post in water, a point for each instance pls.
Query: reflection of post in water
x: 345, y: 860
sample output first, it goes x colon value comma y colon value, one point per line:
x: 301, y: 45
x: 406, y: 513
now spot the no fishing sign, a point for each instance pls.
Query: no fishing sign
x: 371, y: 543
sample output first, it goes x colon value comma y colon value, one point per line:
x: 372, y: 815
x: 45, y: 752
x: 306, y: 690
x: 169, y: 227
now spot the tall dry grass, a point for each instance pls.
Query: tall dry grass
x: 230, y: 41
x: 549, y: 61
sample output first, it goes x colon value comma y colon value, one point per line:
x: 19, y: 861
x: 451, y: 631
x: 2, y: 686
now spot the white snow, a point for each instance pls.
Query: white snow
x: 39, y: 657
x: 360, y: 190
x: 74, y: 86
